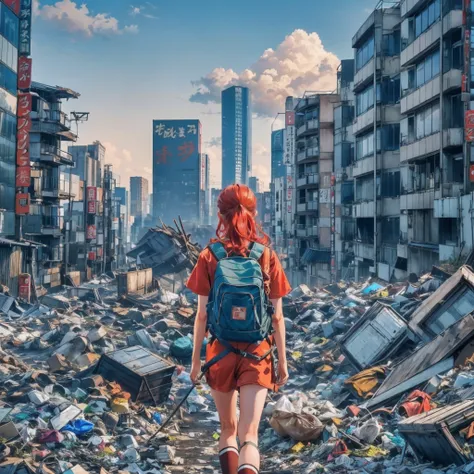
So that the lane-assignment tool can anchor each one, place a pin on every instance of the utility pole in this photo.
(77, 117)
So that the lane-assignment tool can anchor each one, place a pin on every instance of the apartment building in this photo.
(51, 180)
(433, 165)
(376, 130)
(343, 182)
(314, 118)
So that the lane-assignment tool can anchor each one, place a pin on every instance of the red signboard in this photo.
(24, 286)
(91, 193)
(91, 256)
(289, 118)
(99, 251)
(92, 207)
(25, 100)
(22, 205)
(471, 173)
(24, 72)
(23, 176)
(469, 125)
(14, 5)
(91, 232)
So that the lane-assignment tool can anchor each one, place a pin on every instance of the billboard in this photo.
(177, 170)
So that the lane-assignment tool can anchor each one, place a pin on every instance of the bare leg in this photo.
(226, 404)
(252, 401)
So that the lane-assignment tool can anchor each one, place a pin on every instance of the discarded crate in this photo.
(435, 435)
(145, 375)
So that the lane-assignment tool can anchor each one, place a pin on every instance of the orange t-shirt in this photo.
(202, 276)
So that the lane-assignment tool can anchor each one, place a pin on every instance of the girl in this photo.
(235, 374)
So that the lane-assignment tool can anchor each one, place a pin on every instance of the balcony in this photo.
(364, 209)
(418, 200)
(365, 166)
(304, 207)
(309, 180)
(452, 80)
(56, 188)
(365, 120)
(54, 155)
(43, 225)
(420, 96)
(365, 74)
(308, 154)
(308, 128)
(303, 230)
(446, 208)
(53, 123)
(421, 44)
(453, 137)
(364, 250)
(420, 148)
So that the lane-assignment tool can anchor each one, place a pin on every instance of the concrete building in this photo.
(236, 135)
(255, 185)
(277, 151)
(376, 130)
(434, 166)
(179, 169)
(313, 172)
(93, 166)
(213, 206)
(139, 196)
(342, 246)
(51, 182)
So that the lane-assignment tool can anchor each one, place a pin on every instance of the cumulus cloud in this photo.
(73, 18)
(121, 160)
(300, 63)
(261, 163)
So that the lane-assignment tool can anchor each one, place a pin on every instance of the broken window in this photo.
(455, 308)
(390, 227)
(365, 230)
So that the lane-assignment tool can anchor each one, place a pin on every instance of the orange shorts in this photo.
(235, 371)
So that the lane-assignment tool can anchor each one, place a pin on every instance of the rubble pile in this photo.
(381, 380)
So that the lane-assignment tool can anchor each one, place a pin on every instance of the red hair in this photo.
(237, 211)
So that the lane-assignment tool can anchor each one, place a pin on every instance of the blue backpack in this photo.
(239, 309)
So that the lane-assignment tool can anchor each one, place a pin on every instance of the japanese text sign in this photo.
(25, 28)
(92, 207)
(22, 205)
(23, 176)
(91, 232)
(91, 193)
(24, 72)
(469, 125)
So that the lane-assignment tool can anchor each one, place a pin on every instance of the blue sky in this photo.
(134, 62)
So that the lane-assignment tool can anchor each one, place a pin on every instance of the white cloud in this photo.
(73, 18)
(141, 11)
(260, 161)
(300, 63)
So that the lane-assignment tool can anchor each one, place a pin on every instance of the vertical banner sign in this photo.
(289, 156)
(469, 125)
(25, 28)
(333, 228)
(24, 73)
(22, 8)
(91, 232)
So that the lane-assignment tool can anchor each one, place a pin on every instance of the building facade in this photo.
(9, 38)
(376, 131)
(89, 161)
(139, 196)
(343, 183)
(236, 135)
(177, 171)
(255, 185)
(434, 163)
(51, 179)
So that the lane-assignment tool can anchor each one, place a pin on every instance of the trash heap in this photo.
(87, 378)
(381, 380)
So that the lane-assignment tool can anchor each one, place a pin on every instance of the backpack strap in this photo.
(218, 250)
(256, 250)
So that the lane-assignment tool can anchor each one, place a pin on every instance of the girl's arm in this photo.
(200, 324)
(280, 340)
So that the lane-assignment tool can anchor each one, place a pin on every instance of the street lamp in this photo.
(275, 119)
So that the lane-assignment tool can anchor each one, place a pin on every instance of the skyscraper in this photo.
(255, 185)
(179, 171)
(138, 196)
(278, 166)
(236, 135)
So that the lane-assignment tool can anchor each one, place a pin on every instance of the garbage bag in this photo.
(79, 427)
(288, 421)
(182, 348)
(368, 432)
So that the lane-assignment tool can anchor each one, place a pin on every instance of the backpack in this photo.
(239, 309)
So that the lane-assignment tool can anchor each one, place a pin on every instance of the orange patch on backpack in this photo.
(239, 313)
